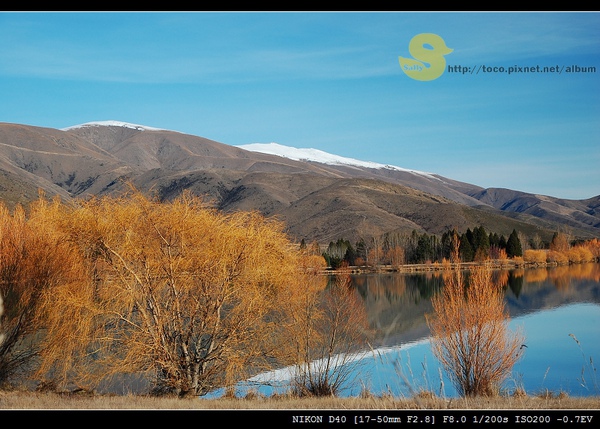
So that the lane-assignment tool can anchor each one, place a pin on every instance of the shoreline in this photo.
(18, 400)
(507, 264)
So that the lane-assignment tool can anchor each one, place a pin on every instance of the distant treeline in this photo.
(476, 244)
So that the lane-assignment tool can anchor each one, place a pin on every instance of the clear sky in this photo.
(330, 81)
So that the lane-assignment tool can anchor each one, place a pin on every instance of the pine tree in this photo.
(502, 242)
(469, 236)
(513, 245)
(361, 249)
(481, 243)
(466, 249)
(494, 239)
(424, 251)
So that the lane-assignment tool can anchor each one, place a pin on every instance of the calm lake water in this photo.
(557, 309)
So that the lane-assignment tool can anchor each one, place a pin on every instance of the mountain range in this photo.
(320, 196)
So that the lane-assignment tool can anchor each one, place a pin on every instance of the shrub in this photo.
(557, 257)
(470, 333)
(332, 330)
(189, 296)
(535, 256)
(580, 254)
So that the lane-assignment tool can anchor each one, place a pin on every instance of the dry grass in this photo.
(35, 400)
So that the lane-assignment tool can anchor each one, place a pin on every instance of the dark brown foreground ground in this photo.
(34, 400)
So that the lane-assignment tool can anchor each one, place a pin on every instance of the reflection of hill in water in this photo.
(542, 288)
(396, 303)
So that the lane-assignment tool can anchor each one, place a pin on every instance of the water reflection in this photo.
(396, 303)
(556, 360)
(557, 308)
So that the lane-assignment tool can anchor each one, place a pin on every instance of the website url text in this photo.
(519, 69)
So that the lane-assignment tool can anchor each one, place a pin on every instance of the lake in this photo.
(557, 309)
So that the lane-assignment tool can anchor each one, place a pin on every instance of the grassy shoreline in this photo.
(37, 400)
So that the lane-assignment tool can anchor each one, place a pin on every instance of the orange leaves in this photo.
(173, 289)
(535, 256)
(470, 333)
(32, 262)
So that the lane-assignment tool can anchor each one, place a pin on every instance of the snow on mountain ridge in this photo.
(316, 155)
(297, 154)
(114, 124)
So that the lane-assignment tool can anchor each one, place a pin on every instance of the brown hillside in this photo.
(317, 201)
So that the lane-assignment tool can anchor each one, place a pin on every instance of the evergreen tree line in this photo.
(417, 248)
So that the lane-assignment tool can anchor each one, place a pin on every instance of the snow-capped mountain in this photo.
(296, 154)
(114, 124)
(320, 196)
(316, 155)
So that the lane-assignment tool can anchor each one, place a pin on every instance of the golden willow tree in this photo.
(31, 261)
(470, 335)
(194, 298)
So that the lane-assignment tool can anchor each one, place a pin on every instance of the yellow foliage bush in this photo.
(471, 339)
(594, 247)
(190, 296)
(534, 256)
(584, 253)
(557, 257)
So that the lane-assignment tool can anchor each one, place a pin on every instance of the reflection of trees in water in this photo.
(536, 275)
(500, 278)
(417, 286)
(428, 284)
(560, 277)
(515, 281)
(396, 302)
(380, 286)
(393, 287)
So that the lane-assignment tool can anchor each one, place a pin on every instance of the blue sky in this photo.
(330, 81)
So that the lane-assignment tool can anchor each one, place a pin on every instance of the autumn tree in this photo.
(375, 252)
(594, 246)
(332, 330)
(30, 262)
(1, 312)
(190, 297)
(560, 242)
(395, 256)
(470, 336)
